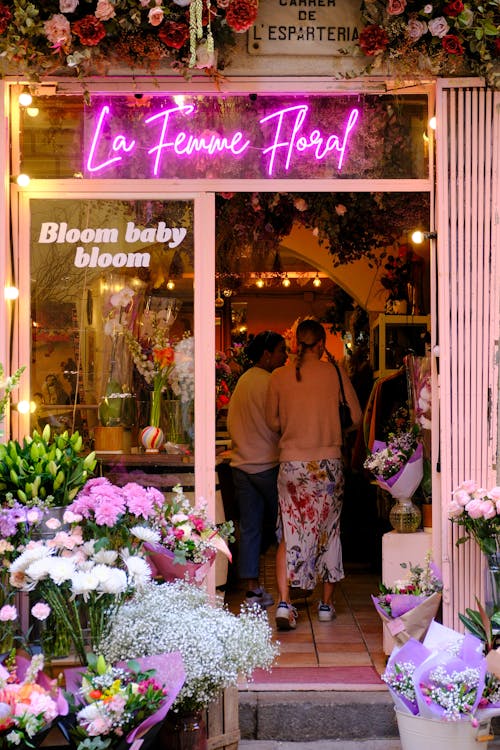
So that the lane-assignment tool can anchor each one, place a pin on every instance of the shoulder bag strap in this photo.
(344, 401)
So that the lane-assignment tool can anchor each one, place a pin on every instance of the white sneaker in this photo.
(286, 617)
(326, 612)
(259, 596)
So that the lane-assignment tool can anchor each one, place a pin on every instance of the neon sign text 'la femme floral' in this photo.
(288, 140)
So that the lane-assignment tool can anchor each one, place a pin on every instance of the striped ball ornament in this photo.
(152, 439)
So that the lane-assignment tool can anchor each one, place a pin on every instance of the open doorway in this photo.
(346, 259)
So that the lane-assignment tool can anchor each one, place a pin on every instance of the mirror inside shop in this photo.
(112, 303)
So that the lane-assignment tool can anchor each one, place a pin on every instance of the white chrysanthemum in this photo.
(216, 646)
(29, 556)
(111, 580)
(82, 584)
(60, 569)
(145, 534)
(105, 557)
(138, 570)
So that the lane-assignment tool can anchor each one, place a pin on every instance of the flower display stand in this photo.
(222, 721)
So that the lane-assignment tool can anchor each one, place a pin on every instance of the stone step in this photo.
(311, 716)
(323, 720)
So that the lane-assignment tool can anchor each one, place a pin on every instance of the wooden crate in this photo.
(222, 720)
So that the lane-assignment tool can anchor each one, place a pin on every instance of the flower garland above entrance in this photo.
(87, 37)
(441, 37)
(60, 36)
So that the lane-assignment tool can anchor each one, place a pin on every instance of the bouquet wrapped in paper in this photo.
(409, 606)
(445, 678)
(398, 465)
(29, 702)
(124, 703)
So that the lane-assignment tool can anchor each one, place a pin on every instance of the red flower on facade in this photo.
(89, 30)
(5, 17)
(496, 48)
(373, 39)
(452, 45)
(454, 8)
(174, 34)
(241, 15)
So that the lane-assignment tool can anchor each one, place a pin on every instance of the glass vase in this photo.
(171, 420)
(184, 731)
(405, 516)
(492, 584)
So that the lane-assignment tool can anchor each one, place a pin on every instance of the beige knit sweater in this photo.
(305, 413)
(254, 444)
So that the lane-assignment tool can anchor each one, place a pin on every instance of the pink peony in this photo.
(474, 509)
(461, 497)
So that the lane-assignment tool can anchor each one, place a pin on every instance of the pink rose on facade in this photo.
(40, 611)
(396, 7)
(340, 209)
(428, 9)
(104, 10)
(8, 613)
(416, 29)
(438, 27)
(155, 16)
(68, 6)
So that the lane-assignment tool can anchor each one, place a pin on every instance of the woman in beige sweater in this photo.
(303, 407)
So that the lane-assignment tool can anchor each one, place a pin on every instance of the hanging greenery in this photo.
(351, 226)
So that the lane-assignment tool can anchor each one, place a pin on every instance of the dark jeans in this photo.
(257, 497)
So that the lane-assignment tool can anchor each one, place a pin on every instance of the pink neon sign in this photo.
(284, 129)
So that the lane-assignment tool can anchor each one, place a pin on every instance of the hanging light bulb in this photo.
(259, 283)
(433, 123)
(317, 280)
(25, 98)
(23, 407)
(286, 281)
(23, 180)
(11, 292)
(170, 284)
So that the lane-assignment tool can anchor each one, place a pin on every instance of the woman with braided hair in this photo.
(303, 407)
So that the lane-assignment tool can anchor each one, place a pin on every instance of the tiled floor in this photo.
(353, 639)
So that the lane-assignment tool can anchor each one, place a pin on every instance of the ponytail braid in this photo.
(298, 361)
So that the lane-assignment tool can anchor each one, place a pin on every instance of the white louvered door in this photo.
(467, 327)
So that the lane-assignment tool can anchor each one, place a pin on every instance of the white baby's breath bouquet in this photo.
(216, 645)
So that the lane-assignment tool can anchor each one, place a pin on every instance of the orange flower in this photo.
(164, 357)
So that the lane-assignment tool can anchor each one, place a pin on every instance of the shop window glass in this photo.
(359, 136)
(111, 292)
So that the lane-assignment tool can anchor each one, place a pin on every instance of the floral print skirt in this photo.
(310, 497)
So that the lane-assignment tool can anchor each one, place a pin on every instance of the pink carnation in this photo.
(8, 613)
(40, 611)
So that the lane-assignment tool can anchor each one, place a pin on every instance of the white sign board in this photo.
(305, 27)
